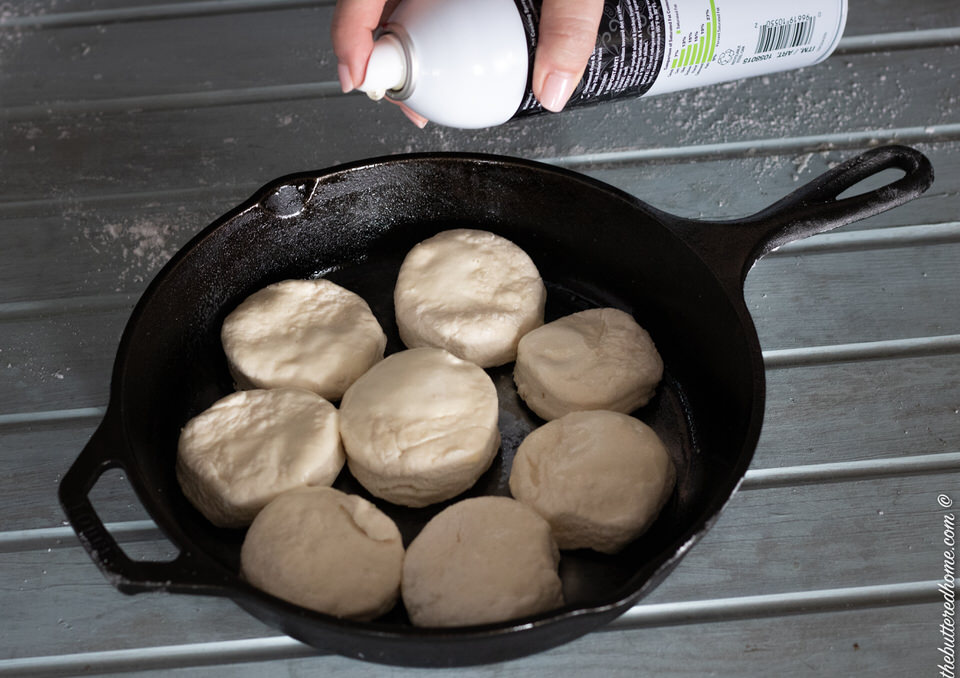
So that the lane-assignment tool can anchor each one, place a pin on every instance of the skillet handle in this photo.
(733, 247)
(183, 575)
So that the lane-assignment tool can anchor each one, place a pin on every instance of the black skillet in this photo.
(594, 245)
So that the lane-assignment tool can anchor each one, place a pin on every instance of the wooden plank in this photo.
(822, 299)
(67, 606)
(109, 249)
(35, 458)
(810, 299)
(727, 188)
(861, 411)
(142, 58)
(766, 542)
(59, 361)
(48, 14)
(881, 16)
(773, 540)
(41, 8)
(790, 646)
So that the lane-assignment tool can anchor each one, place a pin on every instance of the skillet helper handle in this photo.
(731, 248)
(814, 208)
(128, 575)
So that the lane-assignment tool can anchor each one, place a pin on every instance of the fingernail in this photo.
(346, 82)
(417, 120)
(557, 88)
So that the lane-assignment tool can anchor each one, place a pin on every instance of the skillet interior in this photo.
(593, 245)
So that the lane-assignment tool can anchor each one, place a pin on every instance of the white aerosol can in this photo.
(469, 63)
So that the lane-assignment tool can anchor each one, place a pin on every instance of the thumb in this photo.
(568, 34)
(354, 22)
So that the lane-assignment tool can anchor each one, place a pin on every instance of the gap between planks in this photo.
(41, 308)
(174, 101)
(762, 147)
(178, 10)
(273, 648)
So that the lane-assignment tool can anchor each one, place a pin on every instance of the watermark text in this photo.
(947, 588)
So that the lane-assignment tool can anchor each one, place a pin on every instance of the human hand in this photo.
(568, 32)
(354, 22)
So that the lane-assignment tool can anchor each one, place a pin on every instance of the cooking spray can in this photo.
(469, 63)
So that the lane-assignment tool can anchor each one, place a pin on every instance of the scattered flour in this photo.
(137, 249)
(801, 164)
(13, 34)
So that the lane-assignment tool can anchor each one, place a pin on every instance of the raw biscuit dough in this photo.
(325, 550)
(599, 359)
(420, 426)
(482, 560)
(250, 446)
(599, 478)
(310, 334)
(470, 292)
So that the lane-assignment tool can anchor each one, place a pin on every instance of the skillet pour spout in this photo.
(594, 246)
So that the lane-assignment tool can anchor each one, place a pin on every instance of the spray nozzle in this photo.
(386, 69)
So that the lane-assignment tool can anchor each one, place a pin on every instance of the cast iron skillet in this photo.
(594, 245)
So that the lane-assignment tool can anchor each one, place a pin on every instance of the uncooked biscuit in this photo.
(599, 359)
(310, 334)
(599, 478)
(327, 551)
(250, 446)
(470, 292)
(420, 426)
(482, 560)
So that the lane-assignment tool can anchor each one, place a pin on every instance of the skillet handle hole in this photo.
(873, 182)
(127, 521)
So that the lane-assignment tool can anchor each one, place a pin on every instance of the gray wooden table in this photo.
(126, 126)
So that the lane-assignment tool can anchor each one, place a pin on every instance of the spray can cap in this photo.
(387, 67)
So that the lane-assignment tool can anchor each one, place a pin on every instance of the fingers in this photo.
(354, 22)
(352, 31)
(568, 34)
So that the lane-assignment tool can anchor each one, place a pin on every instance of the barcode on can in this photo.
(785, 34)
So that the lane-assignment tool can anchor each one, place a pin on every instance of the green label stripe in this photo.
(702, 51)
(711, 42)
